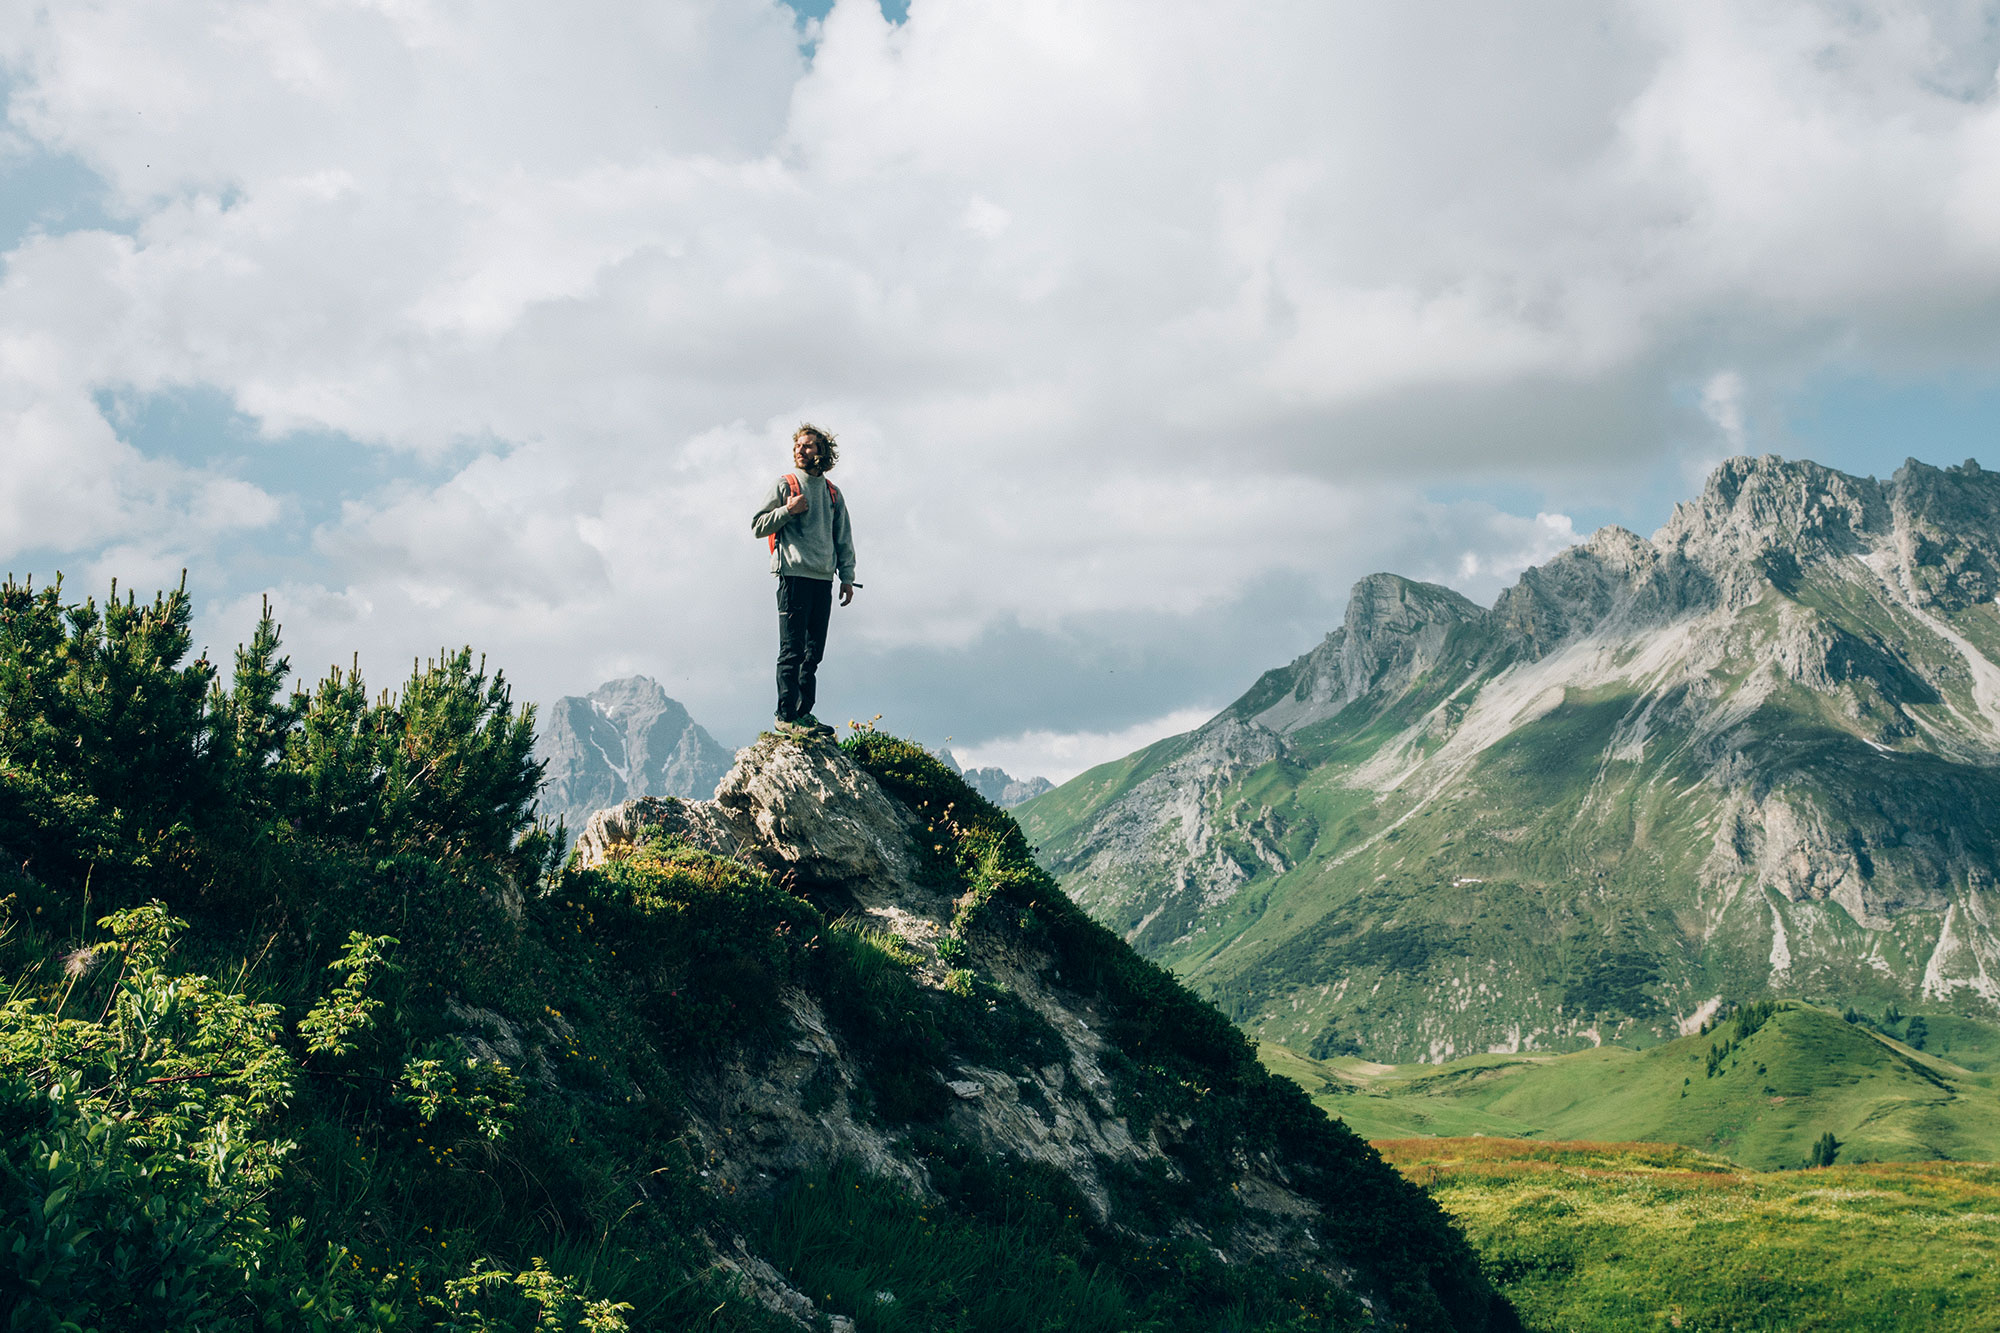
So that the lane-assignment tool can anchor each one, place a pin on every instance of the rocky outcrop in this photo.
(1059, 1098)
(801, 807)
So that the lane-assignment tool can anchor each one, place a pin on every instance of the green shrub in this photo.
(138, 1146)
(708, 944)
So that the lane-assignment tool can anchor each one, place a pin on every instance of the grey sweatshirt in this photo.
(818, 544)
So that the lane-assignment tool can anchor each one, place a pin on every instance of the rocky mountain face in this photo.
(625, 738)
(998, 1035)
(1757, 753)
(997, 784)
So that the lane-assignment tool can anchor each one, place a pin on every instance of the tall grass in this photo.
(1619, 1238)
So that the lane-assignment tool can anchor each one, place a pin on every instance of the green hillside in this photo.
(1069, 807)
(1638, 1238)
(1755, 755)
(1770, 1094)
(307, 1025)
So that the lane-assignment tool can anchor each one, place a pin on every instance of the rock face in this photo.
(1757, 752)
(624, 739)
(1066, 1097)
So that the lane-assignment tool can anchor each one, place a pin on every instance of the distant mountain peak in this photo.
(996, 784)
(627, 738)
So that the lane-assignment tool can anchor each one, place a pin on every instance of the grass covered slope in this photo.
(1760, 1088)
(303, 1028)
(1180, 1074)
(1637, 1237)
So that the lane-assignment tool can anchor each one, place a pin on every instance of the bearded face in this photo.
(808, 451)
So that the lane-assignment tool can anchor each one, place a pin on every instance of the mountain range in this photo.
(997, 784)
(1756, 754)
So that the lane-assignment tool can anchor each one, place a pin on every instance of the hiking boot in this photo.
(816, 727)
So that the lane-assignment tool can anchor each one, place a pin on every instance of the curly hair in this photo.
(829, 448)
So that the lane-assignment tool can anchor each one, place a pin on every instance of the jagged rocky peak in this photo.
(625, 738)
(1947, 524)
(1751, 506)
(1760, 520)
(1616, 576)
(1394, 628)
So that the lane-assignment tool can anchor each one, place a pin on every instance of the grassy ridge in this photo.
(1184, 1074)
(1769, 1097)
(1610, 1237)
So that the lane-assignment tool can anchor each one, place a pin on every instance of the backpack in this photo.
(792, 484)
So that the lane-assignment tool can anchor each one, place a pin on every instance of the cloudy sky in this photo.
(1146, 327)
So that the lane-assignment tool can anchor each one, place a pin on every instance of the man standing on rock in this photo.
(804, 518)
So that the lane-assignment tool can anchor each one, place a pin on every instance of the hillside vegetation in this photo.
(1758, 1088)
(1640, 1237)
(305, 1027)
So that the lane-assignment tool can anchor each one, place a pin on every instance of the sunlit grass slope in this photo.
(1768, 1096)
(1611, 1237)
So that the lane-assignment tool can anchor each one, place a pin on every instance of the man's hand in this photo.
(797, 504)
(847, 592)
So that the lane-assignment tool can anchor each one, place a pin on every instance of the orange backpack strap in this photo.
(792, 485)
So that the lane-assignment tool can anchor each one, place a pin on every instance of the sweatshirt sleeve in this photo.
(771, 515)
(843, 541)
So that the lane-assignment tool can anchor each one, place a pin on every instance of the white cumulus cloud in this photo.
(1128, 314)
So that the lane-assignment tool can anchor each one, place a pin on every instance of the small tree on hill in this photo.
(1825, 1150)
(1917, 1033)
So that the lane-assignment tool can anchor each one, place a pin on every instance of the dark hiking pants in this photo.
(803, 608)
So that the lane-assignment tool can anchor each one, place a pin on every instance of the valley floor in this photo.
(1609, 1237)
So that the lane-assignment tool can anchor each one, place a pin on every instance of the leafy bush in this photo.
(138, 1147)
(710, 943)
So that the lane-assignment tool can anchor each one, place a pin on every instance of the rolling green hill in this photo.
(1763, 1102)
